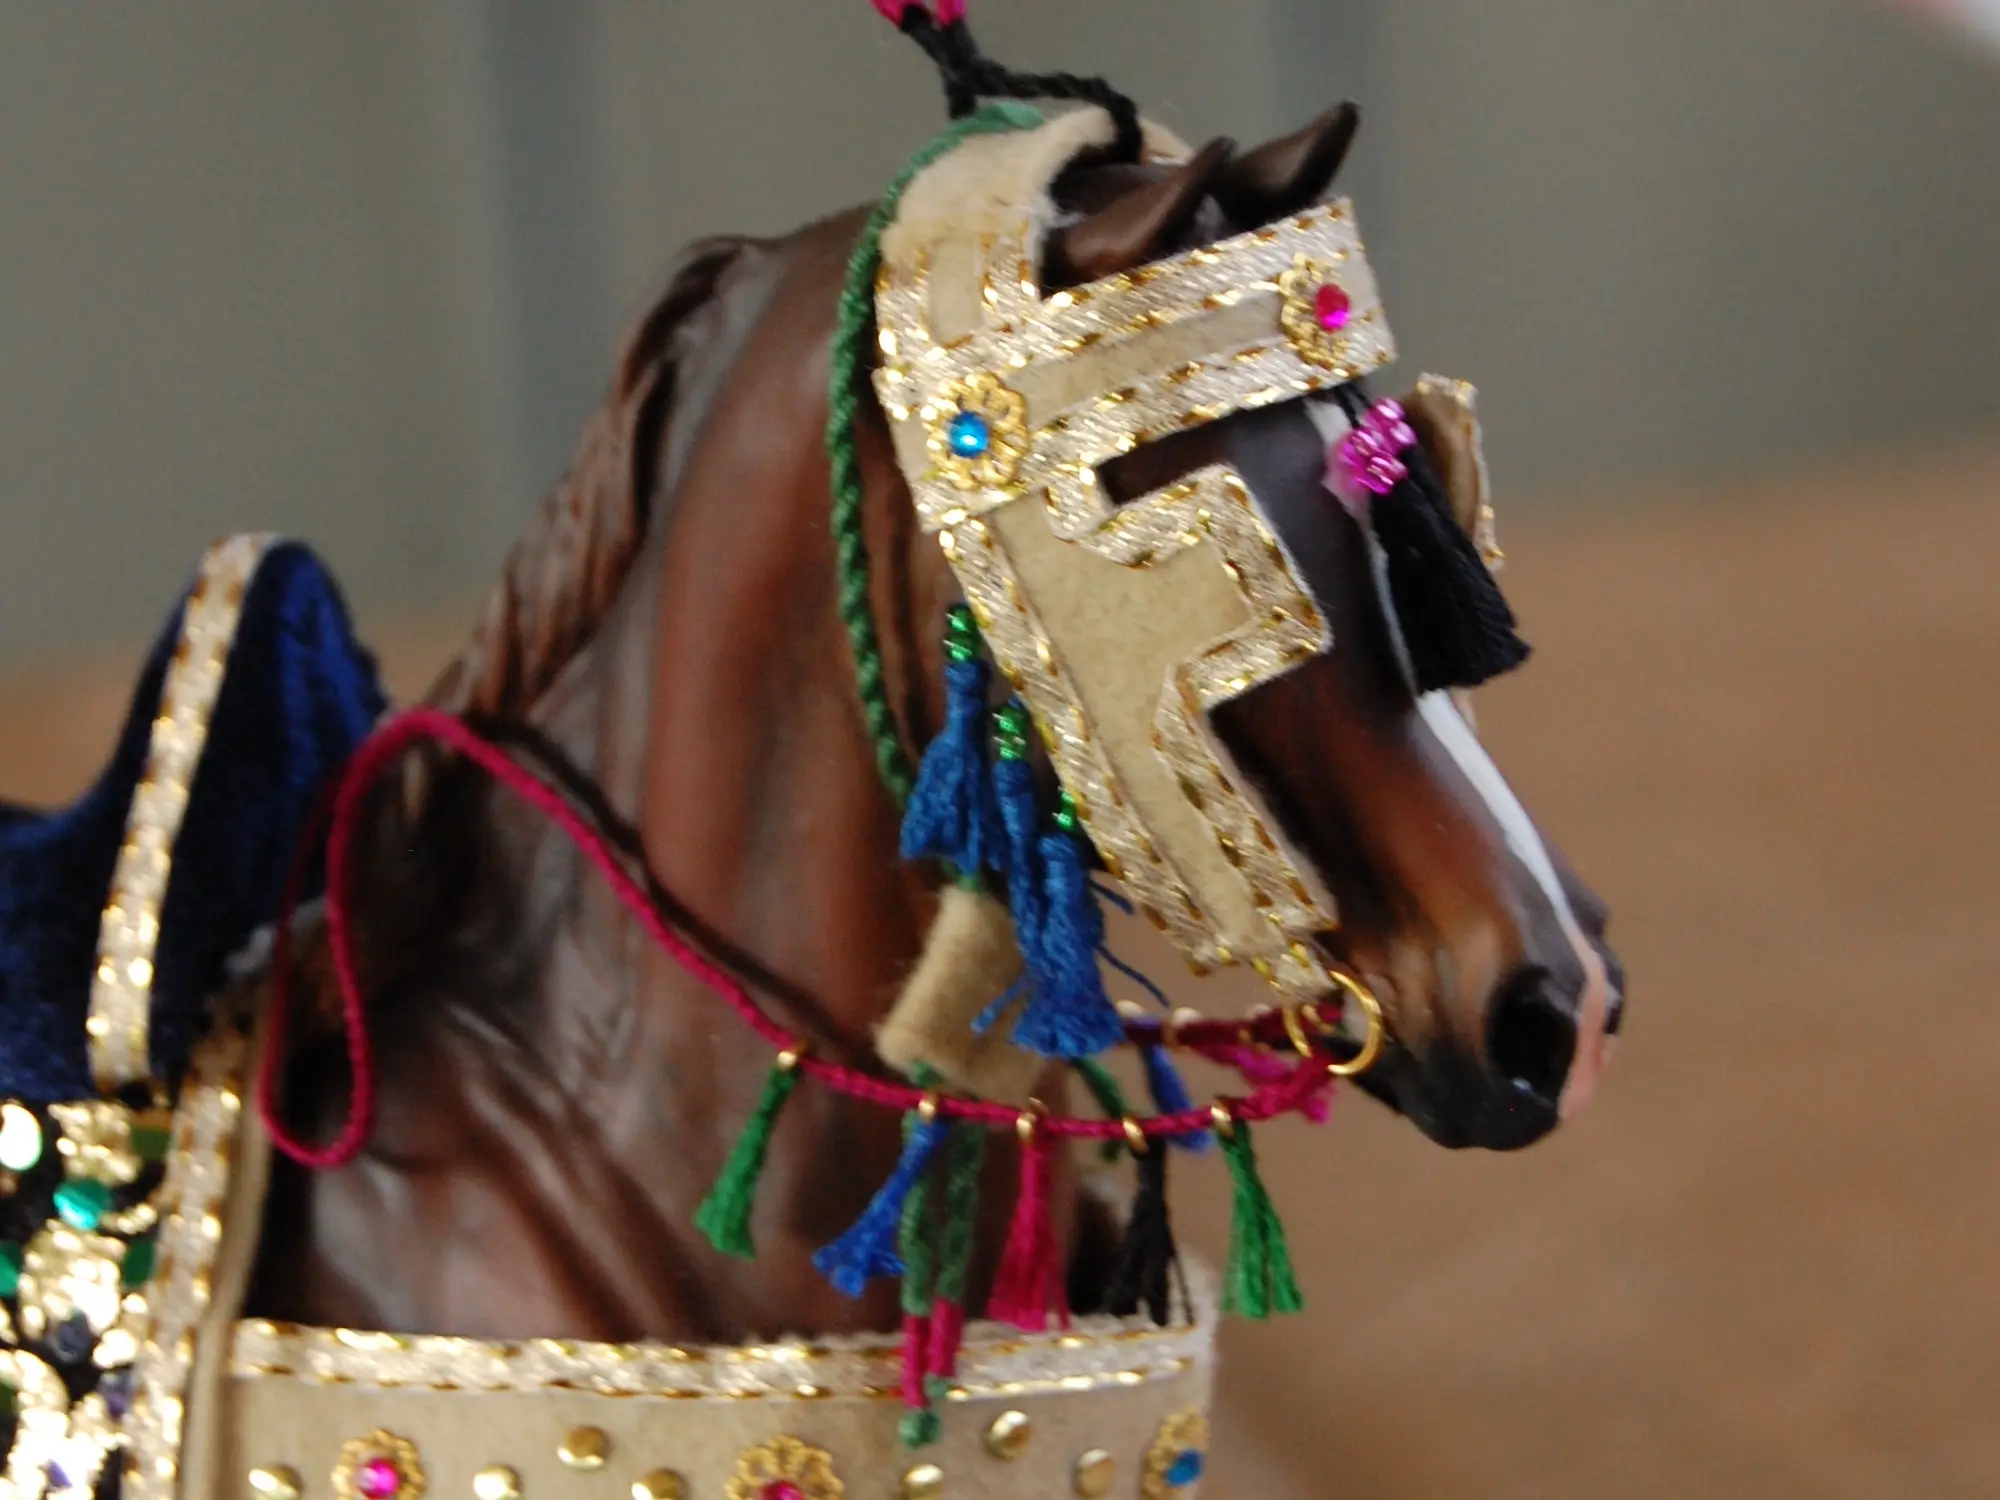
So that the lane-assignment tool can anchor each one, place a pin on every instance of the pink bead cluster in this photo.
(1370, 457)
(947, 11)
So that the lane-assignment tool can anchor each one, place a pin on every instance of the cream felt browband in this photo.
(1123, 627)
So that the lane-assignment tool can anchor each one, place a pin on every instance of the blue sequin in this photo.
(969, 435)
(1185, 1469)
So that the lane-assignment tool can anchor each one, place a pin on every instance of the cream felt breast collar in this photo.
(1124, 626)
(228, 1407)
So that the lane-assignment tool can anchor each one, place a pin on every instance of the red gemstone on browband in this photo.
(1332, 307)
(781, 1489)
(379, 1479)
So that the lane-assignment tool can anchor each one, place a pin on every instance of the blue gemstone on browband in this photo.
(968, 434)
(1185, 1469)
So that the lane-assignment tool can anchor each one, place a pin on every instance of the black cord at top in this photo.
(969, 76)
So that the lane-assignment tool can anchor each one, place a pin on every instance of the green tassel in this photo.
(1259, 1280)
(961, 1211)
(917, 1249)
(724, 1215)
(1110, 1099)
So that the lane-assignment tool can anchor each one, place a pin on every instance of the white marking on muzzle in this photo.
(1593, 1005)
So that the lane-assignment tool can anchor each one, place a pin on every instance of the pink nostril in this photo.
(1531, 1036)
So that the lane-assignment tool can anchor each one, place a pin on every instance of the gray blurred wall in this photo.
(356, 272)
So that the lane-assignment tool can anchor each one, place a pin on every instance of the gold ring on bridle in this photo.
(1371, 1009)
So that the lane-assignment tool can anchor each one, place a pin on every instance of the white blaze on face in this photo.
(1593, 1005)
(1445, 721)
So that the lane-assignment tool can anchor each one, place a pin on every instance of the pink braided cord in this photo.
(1284, 1095)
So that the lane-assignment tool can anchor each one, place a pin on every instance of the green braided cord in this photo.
(915, 1246)
(961, 1210)
(1110, 1098)
(1259, 1280)
(845, 389)
(724, 1215)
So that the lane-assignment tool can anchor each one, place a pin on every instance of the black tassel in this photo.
(1455, 623)
(1143, 1273)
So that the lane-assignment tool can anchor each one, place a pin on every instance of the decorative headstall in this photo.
(1124, 626)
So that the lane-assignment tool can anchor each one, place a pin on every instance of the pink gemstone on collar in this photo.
(378, 1479)
(781, 1489)
(1332, 307)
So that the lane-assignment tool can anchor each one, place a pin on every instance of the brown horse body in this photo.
(556, 1096)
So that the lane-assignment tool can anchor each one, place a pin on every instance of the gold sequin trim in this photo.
(172, 1306)
(787, 1460)
(1114, 1356)
(129, 931)
(1184, 1432)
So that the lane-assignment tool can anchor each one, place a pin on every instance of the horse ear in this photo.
(1281, 177)
(1137, 226)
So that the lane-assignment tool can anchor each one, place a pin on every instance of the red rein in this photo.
(1296, 1090)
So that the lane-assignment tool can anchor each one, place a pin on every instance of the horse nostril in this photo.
(1530, 1038)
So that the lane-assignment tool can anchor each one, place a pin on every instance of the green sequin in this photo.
(140, 1258)
(1066, 813)
(10, 1268)
(151, 1141)
(1010, 732)
(82, 1203)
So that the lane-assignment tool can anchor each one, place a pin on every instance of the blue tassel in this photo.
(868, 1249)
(1170, 1095)
(952, 813)
(1069, 1015)
(1056, 917)
(1020, 820)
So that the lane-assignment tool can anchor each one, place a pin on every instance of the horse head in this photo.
(1427, 876)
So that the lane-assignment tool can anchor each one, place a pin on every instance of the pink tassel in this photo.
(916, 1345)
(1029, 1279)
(947, 1333)
(1261, 1069)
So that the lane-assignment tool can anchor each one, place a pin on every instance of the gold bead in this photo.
(1094, 1474)
(659, 1484)
(497, 1482)
(1008, 1437)
(924, 1482)
(275, 1482)
(585, 1449)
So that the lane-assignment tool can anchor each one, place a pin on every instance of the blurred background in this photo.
(1728, 275)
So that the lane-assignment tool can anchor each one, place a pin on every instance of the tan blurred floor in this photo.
(1764, 1265)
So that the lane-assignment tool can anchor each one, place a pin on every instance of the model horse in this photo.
(555, 1098)
(1073, 403)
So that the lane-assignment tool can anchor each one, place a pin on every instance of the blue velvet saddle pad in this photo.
(298, 695)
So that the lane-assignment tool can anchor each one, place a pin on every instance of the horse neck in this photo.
(557, 1095)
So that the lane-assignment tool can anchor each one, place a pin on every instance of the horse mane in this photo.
(567, 568)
